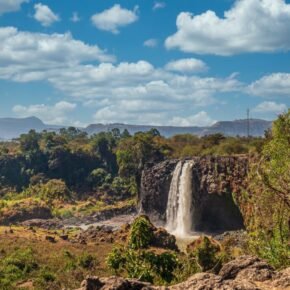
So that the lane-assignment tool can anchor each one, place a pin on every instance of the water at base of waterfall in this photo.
(179, 206)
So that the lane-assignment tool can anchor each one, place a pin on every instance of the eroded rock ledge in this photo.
(216, 181)
(244, 273)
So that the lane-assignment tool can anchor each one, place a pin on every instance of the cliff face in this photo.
(216, 180)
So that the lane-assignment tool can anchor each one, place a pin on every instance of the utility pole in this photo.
(248, 123)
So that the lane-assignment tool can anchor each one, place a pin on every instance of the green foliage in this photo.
(115, 260)
(46, 276)
(81, 161)
(266, 207)
(186, 145)
(97, 177)
(133, 153)
(272, 245)
(54, 189)
(104, 143)
(29, 142)
(207, 254)
(141, 233)
(144, 265)
(165, 265)
(139, 265)
(186, 268)
(275, 167)
(87, 261)
(16, 266)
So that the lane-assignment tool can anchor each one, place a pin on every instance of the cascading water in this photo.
(179, 206)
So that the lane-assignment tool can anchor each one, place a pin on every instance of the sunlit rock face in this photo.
(245, 272)
(195, 194)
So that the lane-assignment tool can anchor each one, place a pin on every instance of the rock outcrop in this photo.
(244, 273)
(216, 182)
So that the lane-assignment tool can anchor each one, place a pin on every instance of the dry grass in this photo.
(61, 258)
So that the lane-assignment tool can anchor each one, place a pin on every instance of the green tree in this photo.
(266, 207)
(29, 142)
(103, 144)
(141, 233)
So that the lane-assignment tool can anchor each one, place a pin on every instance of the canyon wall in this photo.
(215, 181)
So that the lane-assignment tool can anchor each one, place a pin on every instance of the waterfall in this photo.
(179, 205)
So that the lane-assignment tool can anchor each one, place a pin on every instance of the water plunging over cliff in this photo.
(179, 206)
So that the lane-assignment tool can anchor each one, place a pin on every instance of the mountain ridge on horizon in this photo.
(13, 127)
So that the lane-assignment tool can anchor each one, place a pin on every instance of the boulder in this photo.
(162, 239)
(243, 273)
(247, 267)
(113, 283)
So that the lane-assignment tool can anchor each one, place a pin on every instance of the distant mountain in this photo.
(228, 128)
(239, 127)
(12, 127)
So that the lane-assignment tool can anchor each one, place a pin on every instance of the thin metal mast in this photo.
(248, 123)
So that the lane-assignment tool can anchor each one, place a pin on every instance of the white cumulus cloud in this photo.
(201, 119)
(54, 114)
(122, 92)
(151, 42)
(26, 56)
(11, 5)
(249, 26)
(273, 85)
(45, 15)
(270, 107)
(114, 18)
(159, 5)
(187, 65)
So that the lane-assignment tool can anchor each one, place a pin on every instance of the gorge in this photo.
(197, 194)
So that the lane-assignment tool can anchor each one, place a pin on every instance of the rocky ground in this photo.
(114, 218)
(243, 273)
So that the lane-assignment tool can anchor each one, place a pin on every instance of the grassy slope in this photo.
(61, 259)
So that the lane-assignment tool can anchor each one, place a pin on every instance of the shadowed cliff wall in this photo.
(216, 180)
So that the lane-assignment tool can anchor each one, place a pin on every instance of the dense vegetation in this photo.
(267, 200)
(71, 173)
(108, 161)
(76, 174)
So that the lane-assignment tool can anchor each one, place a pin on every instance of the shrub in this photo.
(144, 265)
(55, 189)
(87, 261)
(46, 276)
(141, 233)
(165, 265)
(97, 177)
(207, 253)
(115, 260)
(46, 280)
(17, 266)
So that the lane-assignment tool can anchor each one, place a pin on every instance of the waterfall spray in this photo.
(179, 206)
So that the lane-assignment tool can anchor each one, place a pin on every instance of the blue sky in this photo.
(178, 63)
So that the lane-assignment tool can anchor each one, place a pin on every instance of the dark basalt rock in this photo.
(216, 183)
